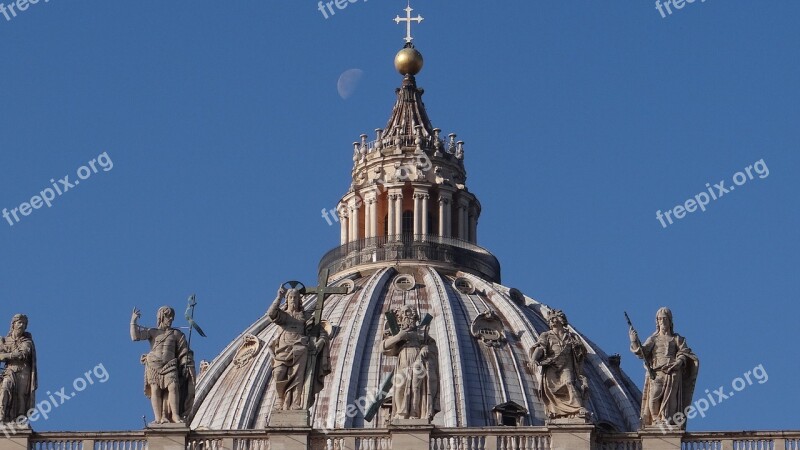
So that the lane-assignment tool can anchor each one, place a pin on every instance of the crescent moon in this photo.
(348, 82)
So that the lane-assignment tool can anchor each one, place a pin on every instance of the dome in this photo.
(483, 332)
(409, 237)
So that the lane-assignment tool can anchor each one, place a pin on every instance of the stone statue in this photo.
(292, 348)
(416, 380)
(560, 353)
(169, 368)
(18, 378)
(669, 390)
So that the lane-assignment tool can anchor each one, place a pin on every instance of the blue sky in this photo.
(227, 136)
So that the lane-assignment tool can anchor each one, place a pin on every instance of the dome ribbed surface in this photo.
(474, 377)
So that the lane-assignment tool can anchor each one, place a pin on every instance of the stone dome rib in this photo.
(450, 361)
(511, 314)
(210, 381)
(372, 362)
(330, 409)
(481, 373)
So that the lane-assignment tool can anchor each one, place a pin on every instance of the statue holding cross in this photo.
(301, 355)
(415, 382)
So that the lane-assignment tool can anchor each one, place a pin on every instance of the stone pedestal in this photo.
(170, 436)
(290, 419)
(289, 430)
(407, 423)
(568, 421)
(571, 436)
(411, 434)
(13, 437)
(656, 439)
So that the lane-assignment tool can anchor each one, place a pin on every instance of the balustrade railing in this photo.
(620, 441)
(488, 438)
(405, 141)
(88, 441)
(743, 440)
(408, 247)
(510, 438)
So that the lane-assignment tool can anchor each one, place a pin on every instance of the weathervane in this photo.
(408, 19)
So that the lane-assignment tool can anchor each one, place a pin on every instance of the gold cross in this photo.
(408, 19)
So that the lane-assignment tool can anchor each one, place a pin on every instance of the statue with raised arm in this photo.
(416, 379)
(18, 378)
(669, 392)
(169, 367)
(560, 353)
(291, 350)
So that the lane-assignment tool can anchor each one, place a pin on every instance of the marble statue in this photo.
(169, 367)
(560, 353)
(673, 368)
(18, 378)
(416, 380)
(292, 348)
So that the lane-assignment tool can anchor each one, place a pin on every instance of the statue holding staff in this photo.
(169, 367)
(669, 392)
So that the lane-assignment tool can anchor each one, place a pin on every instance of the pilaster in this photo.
(13, 437)
(371, 213)
(445, 211)
(167, 436)
(571, 436)
(344, 223)
(463, 226)
(420, 211)
(411, 434)
(656, 439)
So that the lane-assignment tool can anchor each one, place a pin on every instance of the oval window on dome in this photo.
(405, 282)
(464, 286)
(349, 285)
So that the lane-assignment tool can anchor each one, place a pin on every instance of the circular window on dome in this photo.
(464, 286)
(516, 296)
(349, 285)
(405, 282)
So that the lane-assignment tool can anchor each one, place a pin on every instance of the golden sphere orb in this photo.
(408, 61)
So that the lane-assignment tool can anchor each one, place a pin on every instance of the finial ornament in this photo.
(408, 61)
(408, 19)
